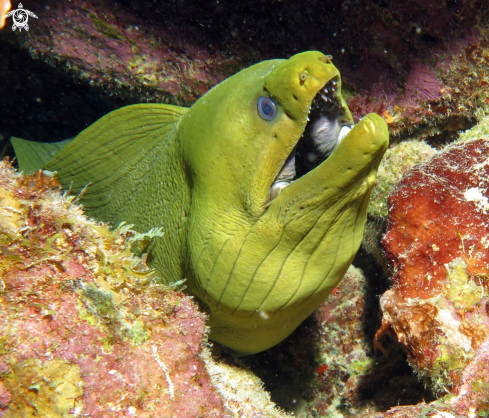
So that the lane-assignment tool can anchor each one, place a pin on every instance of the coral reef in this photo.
(397, 161)
(436, 243)
(344, 353)
(437, 97)
(470, 399)
(88, 329)
(425, 68)
(78, 333)
(350, 377)
(422, 67)
(125, 52)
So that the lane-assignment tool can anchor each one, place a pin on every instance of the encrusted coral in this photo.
(439, 93)
(343, 351)
(350, 377)
(397, 161)
(48, 388)
(85, 327)
(437, 244)
(439, 213)
(470, 398)
(125, 52)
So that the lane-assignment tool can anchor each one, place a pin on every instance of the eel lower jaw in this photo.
(328, 124)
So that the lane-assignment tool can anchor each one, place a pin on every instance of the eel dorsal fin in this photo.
(116, 155)
(130, 160)
(33, 156)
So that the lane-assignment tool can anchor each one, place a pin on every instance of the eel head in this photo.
(280, 179)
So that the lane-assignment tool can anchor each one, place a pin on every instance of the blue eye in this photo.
(267, 108)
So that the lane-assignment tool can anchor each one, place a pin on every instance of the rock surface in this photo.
(108, 44)
(437, 244)
(88, 330)
(78, 334)
(422, 67)
(469, 400)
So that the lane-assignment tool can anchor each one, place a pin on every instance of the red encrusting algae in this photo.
(437, 245)
(438, 213)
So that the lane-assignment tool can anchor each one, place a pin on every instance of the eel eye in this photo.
(267, 108)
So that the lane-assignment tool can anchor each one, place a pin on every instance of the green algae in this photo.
(107, 30)
(480, 130)
(98, 302)
(462, 291)
(397, 161)
(98, 309)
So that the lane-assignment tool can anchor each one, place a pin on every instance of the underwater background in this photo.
(406, 332)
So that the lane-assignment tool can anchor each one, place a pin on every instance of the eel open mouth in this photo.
(328, 123)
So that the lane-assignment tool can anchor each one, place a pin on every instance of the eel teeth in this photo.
(284, 178)
(328, 94)
(343, 131)
(277, 188)
(327, 135)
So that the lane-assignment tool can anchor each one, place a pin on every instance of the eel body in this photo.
(261, 188)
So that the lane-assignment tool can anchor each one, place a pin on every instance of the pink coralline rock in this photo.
(421, 66)
(473, 393)
(437, 245)
(86, 327)
(350, 378)
(437, 92)
(343, 348)
(108, 45)
(409, 105)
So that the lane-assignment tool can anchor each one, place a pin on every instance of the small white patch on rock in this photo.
(450, 327)
(474, 194)
(442, 414)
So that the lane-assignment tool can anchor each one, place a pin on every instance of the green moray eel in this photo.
(261, 188)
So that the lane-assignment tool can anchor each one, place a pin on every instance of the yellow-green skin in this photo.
(204, 174)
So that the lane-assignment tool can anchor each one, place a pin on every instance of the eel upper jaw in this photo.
(328, 123)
